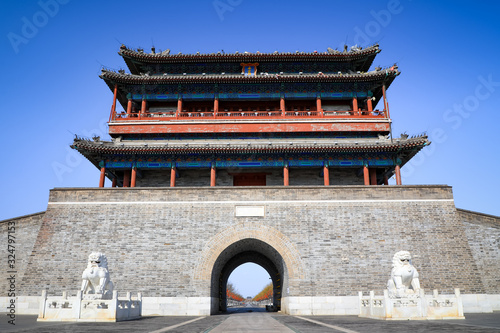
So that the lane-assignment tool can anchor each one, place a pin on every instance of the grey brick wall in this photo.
(483, 233)
(26, 231)
(345, 236)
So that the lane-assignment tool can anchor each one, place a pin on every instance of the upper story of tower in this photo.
(273, 93)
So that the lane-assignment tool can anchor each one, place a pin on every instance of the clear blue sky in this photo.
(447, 52)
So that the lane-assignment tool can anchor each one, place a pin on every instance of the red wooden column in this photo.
(113, 107)
(129, 107)
(179, 108)
(113, 184)
(282, 106)
(386, 180)
(366, 175)
(212, 175)
(216, 106)
(326, 174)
(386, 103)
(172, 176)
(373, 176)
(318, 106)
(397, 170)
(126, 178)
(355, 105)
(286, 180)
(103, 174)
(134, 176)
(143, 107)
(369, 105)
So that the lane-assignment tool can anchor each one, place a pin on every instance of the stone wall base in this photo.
(480, 303)
(200, 306)
(176, 306)
(320, 305)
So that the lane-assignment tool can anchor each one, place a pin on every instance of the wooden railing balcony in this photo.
(255, 114)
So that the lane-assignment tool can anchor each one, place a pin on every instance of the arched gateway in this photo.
(242, 243)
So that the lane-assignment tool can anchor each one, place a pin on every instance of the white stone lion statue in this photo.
(404, 277)
(95, 278)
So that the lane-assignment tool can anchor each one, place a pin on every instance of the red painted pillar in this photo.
(143, 106)
(397, 170)
(112, 115)
(318, 106)
(369, 105)
(326, 175)
(172, 176)
(126, 178)
(366, 175)
(355, 105)
(113, 184)
(179, 108)
(386, 180)
(129, 107)
(216, 106)
(386, 103)
(134, 176)
(282, 106)
(212, 176)
(373, 176)
(286, 180)
(103, 176)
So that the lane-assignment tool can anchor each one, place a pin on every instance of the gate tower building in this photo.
(250, 119)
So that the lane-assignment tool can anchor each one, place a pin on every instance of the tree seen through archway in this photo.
(247, 281)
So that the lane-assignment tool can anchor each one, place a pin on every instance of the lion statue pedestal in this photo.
(404, 299)
(95, 302)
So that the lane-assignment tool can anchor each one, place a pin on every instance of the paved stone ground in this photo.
(353, 324)
(255, 320)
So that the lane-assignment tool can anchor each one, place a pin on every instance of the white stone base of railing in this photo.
(413, 307)
(90, 309)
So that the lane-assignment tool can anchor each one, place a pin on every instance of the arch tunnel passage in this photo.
(241, 252)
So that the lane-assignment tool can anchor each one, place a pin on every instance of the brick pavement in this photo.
(257, 321)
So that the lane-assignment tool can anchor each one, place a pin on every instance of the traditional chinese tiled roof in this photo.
(364, 57)
(387, 74)
(157, 147)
